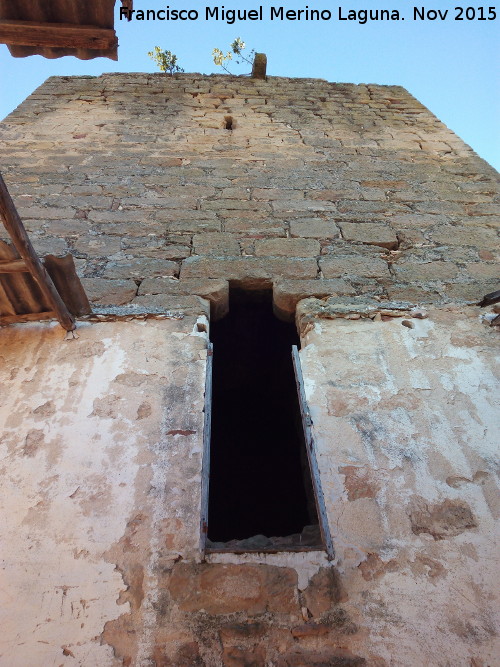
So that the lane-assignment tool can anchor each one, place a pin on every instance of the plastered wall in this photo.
(407, 429)
(101, 453)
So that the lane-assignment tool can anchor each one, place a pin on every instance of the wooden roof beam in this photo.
(13, 266)
(22, 244)
(65, 35)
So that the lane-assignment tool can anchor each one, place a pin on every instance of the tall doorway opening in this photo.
(261, 495)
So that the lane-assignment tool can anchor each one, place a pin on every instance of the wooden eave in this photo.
(34, 289)
(81, 28)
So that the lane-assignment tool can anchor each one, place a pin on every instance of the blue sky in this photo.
(451, 66)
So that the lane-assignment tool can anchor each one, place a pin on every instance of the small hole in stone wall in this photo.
(261, 495)
(228, 123)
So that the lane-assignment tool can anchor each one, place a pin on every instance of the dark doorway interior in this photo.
(259, 476)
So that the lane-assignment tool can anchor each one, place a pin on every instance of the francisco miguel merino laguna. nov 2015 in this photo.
(362, 16)
(230, 16)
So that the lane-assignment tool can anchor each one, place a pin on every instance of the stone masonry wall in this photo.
(319, 188)
(353, 195)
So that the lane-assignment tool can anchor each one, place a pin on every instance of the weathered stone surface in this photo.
(98, 245)
(472, 236)
(165, 303)
(287, 247)
(324, 591)
(310, 630)
(140, 269)
(482, 271)
(248, 269)
(334, 266)
(213, 243)
(305, 158)
(315, 228)
(234, 656)
(223, 589)
(441, 520)
(109, 292)
(370, 233)
(234, 632)
(216, 290)
(470, 291)
(286, 293)
(327, 658)
(49, 245)
(412, 272)
(359, 483)
(374, 567)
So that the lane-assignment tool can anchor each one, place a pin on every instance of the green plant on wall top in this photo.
(236, 49)
(166, 60)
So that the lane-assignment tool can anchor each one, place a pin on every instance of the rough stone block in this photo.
(225, 589)
(370, 233)
(470, 291)
(364, 265)
(287, 247)
(98, 245)
(46, 212)
(483, 271)
(249, 270)
(315, 228)
(237, 632)
(48, 245)
(331, 657)
(218, 244)
(215, 290)
(324, 591)
(109, 292)
(140, 268)
(410, 271)
(411, 293)
(234, 656)
(446, 519)
(267, 194)
(159, 303)
(287, 293)
(474, 236)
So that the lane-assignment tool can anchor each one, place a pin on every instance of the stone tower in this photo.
(374, 229)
